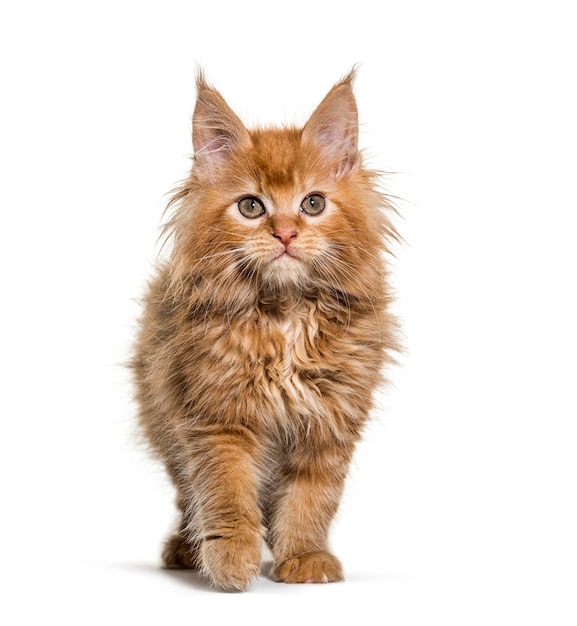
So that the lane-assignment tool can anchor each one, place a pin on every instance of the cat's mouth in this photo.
(286, 266)
(286, 256)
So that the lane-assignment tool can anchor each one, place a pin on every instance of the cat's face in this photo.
(284, 207)
(282, 236)
(284, 223)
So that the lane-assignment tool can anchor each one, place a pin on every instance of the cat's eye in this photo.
(313, 204)
(251, 207)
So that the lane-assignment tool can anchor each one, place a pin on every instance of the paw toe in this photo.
(313, 567)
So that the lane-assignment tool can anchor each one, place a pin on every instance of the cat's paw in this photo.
(231, 562)
(179, 554)
(313, 567)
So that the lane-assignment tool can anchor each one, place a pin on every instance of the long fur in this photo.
(255, 374)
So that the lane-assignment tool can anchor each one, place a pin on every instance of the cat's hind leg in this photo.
(178, 553)
(182, 549)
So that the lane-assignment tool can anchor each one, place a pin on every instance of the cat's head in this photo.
(281, 208)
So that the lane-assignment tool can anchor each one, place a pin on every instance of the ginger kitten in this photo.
(263, 338)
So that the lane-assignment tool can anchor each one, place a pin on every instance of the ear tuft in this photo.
(334, 126)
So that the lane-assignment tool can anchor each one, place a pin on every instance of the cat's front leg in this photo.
(227, 517)
(305, 504)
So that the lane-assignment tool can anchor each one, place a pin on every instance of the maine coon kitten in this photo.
(263, 338)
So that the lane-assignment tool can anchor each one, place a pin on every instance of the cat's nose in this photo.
(285, 235)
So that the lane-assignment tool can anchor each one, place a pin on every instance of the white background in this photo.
(461, 507)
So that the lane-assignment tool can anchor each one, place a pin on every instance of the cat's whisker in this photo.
(236, 235)
(354, 276)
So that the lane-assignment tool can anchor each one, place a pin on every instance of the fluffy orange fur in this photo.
(264, 336)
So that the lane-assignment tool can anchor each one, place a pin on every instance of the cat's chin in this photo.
(286, 269)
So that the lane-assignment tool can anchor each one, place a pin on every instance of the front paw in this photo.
(231, 562)
(313, 567)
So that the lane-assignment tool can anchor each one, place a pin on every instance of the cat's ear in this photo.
(334, 127)
(216, 130)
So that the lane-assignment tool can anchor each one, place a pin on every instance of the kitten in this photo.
(263, 338)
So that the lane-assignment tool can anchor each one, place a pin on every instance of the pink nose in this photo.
(285, 235)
